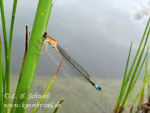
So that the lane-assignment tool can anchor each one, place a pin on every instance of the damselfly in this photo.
(78, 67)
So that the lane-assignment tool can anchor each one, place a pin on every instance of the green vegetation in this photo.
(49, 87)
(77, 98)
(30, 60)
(130, 78)
(1, 78)
(30, 64)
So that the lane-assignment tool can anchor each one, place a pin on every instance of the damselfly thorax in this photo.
(50, 41)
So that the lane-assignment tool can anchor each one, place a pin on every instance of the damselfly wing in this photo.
(75, 65)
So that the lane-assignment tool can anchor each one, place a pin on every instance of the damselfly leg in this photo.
(74, 64)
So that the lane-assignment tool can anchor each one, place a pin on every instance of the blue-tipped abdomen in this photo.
(97, 87)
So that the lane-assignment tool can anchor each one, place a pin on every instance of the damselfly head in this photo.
(50, 40)
(45, 35)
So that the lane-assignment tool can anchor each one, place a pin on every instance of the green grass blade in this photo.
(141, 100)
(125, 73)
(146, 67)
(1, 79)
(59, 104)
(49, 86)
(136, 56)
(132, 66)
(135, 81)
(45, 93)
(7, 75)
(135, 71)
(146, 73)
(125, 84)
(4, 27)
(127, 64)
(139, 93)
(5, 41)
(30, 65)
(12, 26)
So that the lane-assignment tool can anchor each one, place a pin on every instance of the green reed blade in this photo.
(31, 61)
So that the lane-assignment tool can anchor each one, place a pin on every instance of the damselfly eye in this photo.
(45, 35)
